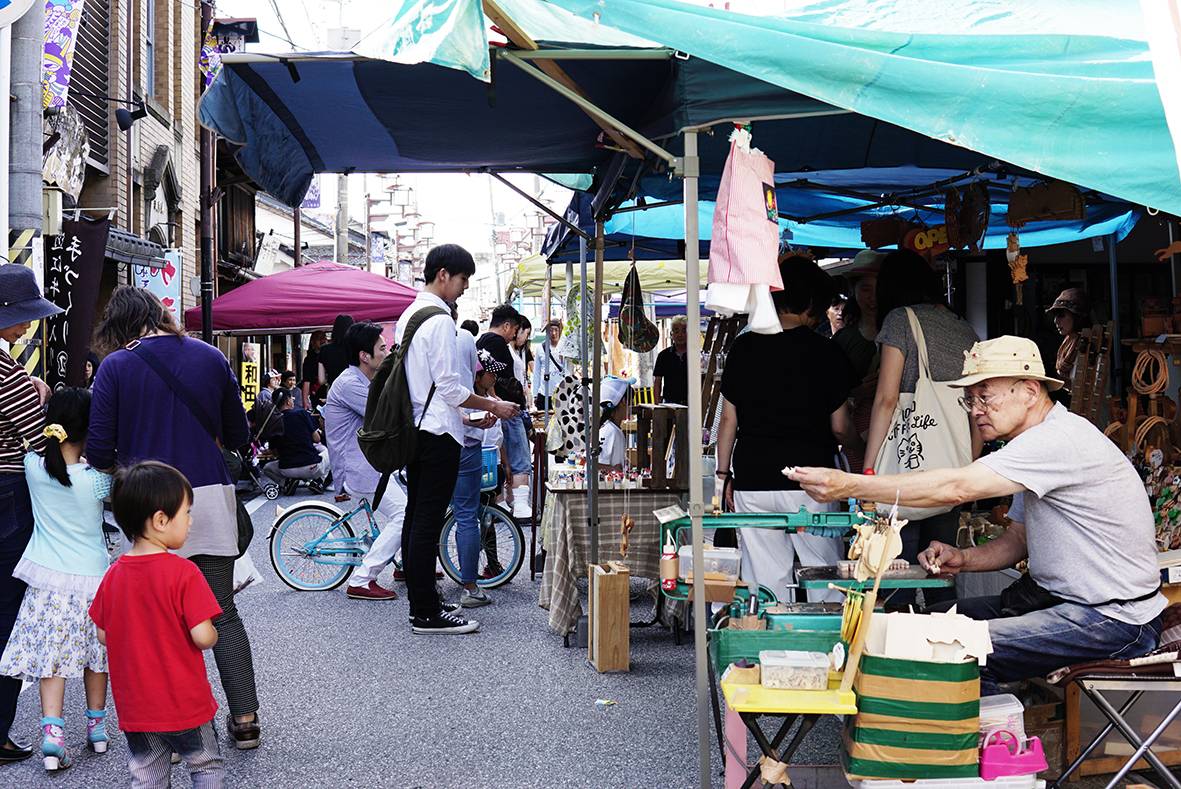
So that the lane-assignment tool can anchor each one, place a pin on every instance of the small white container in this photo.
(1003, 711)
(720, 563)
(789, 670)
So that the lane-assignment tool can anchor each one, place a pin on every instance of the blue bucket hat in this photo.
(20, 298)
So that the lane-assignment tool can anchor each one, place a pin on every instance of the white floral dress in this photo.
(54, 635)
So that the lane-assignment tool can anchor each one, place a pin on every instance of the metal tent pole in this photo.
(547, 315)
(1117, 378)
(583, 352)
(689, 172)
(592, 451)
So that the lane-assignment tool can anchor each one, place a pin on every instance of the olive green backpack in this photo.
(388, 436)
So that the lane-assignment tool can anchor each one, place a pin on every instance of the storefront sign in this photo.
(73, 268)
(164, 282)
(248, 375)
(61, 33)
(929, 242)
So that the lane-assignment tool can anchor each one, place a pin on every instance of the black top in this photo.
(674, 373)
(859, 351)
(311, 369)
(785, 388)
(507, 386)
(295, 448)
(335, 360)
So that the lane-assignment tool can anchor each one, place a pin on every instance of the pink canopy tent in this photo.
(304, 298)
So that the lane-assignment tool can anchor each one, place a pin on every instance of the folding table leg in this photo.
(770, 748)
(1114, 716)
(1082, 757)
(1143, 751)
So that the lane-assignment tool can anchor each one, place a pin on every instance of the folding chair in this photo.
(1159, 672)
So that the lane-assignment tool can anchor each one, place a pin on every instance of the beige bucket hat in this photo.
(1004, 357)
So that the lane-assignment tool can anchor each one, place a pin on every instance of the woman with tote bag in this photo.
(917, 423)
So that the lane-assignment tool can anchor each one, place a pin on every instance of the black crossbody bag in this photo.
(1025, 595)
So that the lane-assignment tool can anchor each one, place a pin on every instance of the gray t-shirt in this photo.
(1088, 522)
(947, 336)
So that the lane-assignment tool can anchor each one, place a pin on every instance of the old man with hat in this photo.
(1080, 515)
(22, 426)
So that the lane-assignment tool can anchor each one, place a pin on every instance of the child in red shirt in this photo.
(154, 612)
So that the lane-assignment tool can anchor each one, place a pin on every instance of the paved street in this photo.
(351, 698)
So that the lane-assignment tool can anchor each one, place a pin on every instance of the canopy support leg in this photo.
(592, 446)
(1117, 377)
(690, 173)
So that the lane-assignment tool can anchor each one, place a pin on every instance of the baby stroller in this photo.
(266, 424)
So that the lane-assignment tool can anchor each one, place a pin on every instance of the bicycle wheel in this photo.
(311, 550)
(502, 548)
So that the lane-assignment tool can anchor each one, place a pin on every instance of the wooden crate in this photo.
(609, 614)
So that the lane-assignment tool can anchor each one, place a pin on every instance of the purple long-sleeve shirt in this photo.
(344, 411)
(135, 416)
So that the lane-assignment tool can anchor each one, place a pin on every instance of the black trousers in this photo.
(235, 664)
(430, 480)
(16, 528)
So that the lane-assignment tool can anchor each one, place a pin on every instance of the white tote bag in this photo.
(929, 429)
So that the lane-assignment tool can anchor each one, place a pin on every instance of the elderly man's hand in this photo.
(942, 559)
(821, 484)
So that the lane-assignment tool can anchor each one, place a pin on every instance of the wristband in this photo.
(723, 474)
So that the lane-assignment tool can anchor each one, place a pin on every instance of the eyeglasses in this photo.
(984, 402)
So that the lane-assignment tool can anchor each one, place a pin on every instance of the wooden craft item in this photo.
(878, 233)
(951, 217)
(972, 219)
(626, 524)
(888, 533)
(656, 428)
(719, 336)
(1049, 201)
(609, 615)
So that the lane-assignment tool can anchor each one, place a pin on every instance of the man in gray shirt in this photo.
(1080, 515)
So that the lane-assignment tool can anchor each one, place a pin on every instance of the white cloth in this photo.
(431, 359)
(612, 445)
(728, 300)
(315, 471)
(768, 554)
(385, 547)
(494, 436)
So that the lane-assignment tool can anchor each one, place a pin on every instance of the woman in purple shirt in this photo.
(162, 396)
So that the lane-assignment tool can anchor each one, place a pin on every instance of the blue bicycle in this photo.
(315, 545)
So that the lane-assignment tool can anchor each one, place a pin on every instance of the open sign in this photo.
(928, 242)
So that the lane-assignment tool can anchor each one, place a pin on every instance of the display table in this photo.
(914, 578)
(566, 539)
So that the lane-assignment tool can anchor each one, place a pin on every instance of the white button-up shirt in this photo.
(431, 360)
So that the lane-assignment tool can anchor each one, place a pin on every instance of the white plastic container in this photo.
(790, 670)
(1003, 711)
(721, 564)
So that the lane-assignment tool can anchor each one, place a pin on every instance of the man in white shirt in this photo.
(548, 368)
(437, 394)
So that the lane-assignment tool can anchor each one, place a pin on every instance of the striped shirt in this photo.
(22, 419)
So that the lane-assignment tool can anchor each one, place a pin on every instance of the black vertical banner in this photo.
(73, 268)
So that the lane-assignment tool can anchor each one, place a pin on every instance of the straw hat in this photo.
(1005, 357)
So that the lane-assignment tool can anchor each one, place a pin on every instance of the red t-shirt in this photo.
(147, 605)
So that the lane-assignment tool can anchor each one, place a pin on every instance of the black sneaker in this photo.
(447, 607)
(443, 623)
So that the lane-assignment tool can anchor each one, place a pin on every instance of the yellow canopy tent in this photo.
(655, 275)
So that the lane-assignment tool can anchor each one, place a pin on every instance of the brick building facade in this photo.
(154, 45)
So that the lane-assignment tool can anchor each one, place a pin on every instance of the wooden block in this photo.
(681, 455)
(610, 617)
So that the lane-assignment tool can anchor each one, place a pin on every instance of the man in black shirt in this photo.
(309, 380)
(670, 376)
(301, 456)
(502, 329)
